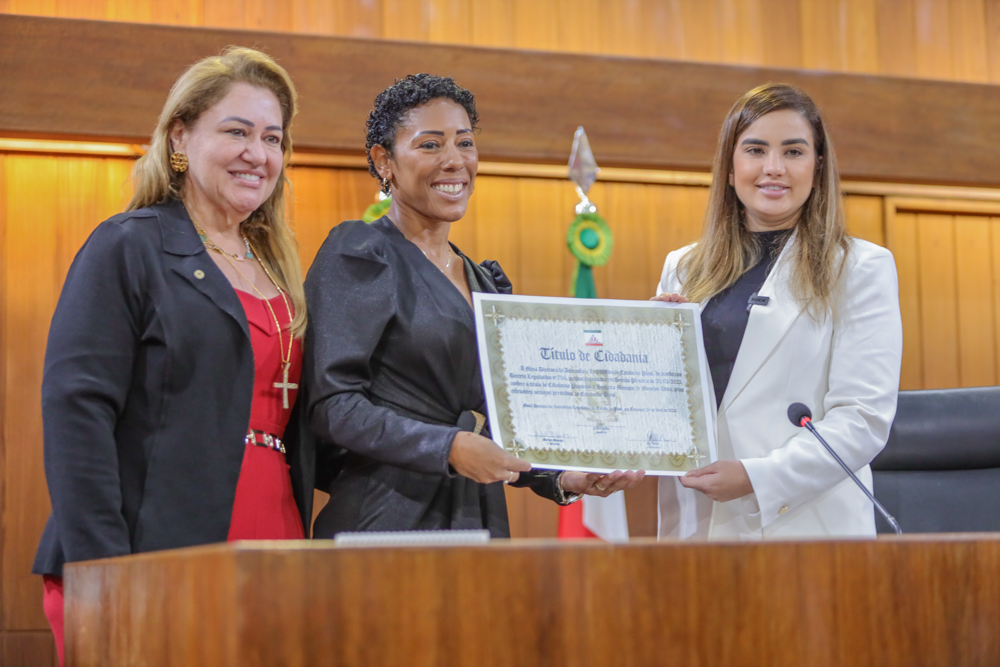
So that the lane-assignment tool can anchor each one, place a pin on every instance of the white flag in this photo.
(606, 517)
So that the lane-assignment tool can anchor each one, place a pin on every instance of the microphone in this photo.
(801, 415)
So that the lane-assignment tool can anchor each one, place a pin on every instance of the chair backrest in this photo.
(940, 469)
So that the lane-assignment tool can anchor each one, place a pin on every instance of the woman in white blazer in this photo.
(824, 329)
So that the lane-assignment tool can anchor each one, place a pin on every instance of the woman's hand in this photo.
(670, 297)
(481, 460)
(721, 481)
(594, 484)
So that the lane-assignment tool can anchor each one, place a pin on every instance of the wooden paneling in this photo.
(892, 602)
(3, 385)
(945, 39)
(118, 75)
(903, 243)
(938, 300)
(974, 287)
(865, 218)
(948, 259)
(28, 649)
(51, 205)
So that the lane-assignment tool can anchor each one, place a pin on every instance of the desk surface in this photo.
(910, 600)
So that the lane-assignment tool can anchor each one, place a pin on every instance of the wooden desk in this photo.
(910, 601)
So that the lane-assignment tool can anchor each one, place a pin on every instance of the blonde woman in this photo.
(174, 351)
(793, 310)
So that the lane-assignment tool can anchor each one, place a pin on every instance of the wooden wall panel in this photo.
(938, 300)
(322, 199)
(949, 39)
(31, 283)
(995, 252)
(905, 248)
(28, 649)
(117, 75)
(865, 218)
(974, 290)
(948, 259)
(52, 204)
(3, 385)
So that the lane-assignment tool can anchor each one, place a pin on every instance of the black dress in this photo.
(392, 375)
(724, 318)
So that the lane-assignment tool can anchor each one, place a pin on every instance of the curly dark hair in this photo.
(393, 103)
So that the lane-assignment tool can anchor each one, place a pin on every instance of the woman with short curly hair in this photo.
(392, 370)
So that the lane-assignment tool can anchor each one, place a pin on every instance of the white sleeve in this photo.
(860, 403)
(669, 282)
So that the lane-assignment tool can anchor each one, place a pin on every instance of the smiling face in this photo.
(774, 167)
(234, 154)
(433, 163)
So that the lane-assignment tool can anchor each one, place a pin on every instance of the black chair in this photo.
(940, 470)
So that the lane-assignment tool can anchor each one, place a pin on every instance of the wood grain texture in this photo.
(887, 602)
(865, 218)
(860, 36)
(901, 236)
(3, 382)
(673, 108)
(939, 297)
(28, 649)
(974, 287)
(31, 285)
(52, 205)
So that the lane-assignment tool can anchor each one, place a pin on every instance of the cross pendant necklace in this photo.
(285, 385)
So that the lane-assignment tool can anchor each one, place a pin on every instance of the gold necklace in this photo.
(451, 255)
(286, 361)
(212, 245)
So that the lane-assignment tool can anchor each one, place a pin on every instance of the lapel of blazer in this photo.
(189, 260)
(766, 327)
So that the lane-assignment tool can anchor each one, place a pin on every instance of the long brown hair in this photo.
(727, 248)
(197, 90)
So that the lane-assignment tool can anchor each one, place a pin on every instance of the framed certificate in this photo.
(596, 384)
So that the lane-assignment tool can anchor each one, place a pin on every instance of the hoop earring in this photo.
(178, 162)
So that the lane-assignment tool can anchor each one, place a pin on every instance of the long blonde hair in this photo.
(727, 248)
(198, 89)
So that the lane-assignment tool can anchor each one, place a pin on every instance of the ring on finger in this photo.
(511, 478)
(599, 487)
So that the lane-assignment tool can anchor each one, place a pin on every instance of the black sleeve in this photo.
(88, 369)
(500, 280)
(543, 483)
(351, 295)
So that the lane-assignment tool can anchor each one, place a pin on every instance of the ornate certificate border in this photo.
(491, 309)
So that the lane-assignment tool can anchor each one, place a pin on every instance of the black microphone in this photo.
(801, 415)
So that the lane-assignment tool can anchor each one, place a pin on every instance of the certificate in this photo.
(596, 384)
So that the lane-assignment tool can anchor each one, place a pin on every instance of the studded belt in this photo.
(262, 439)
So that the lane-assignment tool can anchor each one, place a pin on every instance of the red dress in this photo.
(265, 508)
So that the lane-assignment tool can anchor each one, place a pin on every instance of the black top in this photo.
(392, 372)
(146, 395)
(724, 318)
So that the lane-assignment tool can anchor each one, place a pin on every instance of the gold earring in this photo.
(386, 186)
(178, 162)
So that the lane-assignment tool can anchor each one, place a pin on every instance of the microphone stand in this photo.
(807, 422)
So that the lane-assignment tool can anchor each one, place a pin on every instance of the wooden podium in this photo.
(910, 601)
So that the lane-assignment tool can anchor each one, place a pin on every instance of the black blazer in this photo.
(146, 396)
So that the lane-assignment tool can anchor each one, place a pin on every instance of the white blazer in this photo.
(846, 371)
